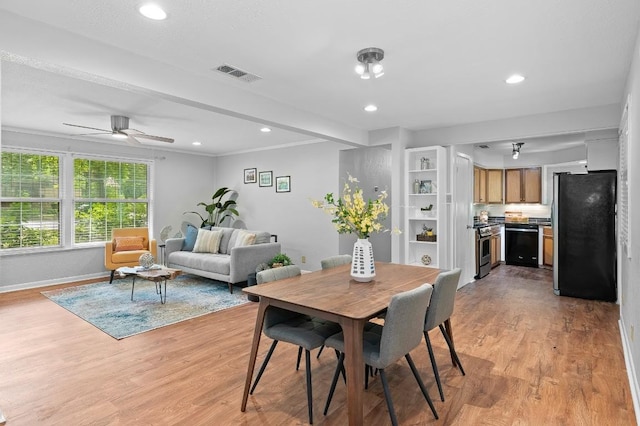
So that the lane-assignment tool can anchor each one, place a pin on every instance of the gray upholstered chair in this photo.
(292, 327)
(333, 261)
(440, 309)
(383, 346)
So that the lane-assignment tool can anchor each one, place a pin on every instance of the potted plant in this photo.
(218, 210)
(280, 259)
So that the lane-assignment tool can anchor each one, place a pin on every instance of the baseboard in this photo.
(631, 370)
(47, 283)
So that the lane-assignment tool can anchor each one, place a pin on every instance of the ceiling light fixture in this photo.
(515, 79)
(516, 150)
(119, 135)
(153, 11)
(371, 108)
(369, 63)
(196, 143)
(265, 130)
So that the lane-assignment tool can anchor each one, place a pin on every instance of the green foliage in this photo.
(217, 210)
(281, 258)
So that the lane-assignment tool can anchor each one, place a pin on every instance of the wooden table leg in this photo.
(354, 364)
(262, 308)
(447, 327)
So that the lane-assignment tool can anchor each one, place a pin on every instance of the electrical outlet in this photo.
(304, 259)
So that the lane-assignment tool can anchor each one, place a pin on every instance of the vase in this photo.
(363, 268)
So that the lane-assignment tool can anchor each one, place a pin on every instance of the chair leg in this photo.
(414, 370)
(452, 348)
(339, 368)
(264, 365)
(112, 273)
(366, 376)
(320, 351)
(433, 364)
(387, 397)
(299, 357)
(307, 358)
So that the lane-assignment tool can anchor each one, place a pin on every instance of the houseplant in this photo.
(218, 210)
(280, 259)
(353, 215)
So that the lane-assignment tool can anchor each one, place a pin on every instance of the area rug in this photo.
(109, 306)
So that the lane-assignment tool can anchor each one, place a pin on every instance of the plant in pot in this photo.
(218, 210)
(279, 260)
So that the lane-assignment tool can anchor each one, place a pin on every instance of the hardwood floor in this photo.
(531, 358)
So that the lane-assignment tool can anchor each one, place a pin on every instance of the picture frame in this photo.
(283, 183)
(265, 179)
(425, 186)
(250, 175)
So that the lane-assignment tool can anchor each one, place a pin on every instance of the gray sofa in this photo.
(231, 264)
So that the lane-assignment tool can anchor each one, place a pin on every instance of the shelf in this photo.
(423, 218)
(422, 171)
(432, 265)
(425, 193)
(433, 243)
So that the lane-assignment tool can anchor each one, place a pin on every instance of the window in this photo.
(30, 200)
(53, 200)
(107, 195)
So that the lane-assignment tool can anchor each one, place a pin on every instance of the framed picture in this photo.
(283, 184)
(250, 175)
(265, 179)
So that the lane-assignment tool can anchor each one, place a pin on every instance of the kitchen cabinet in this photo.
(496, 249)
(547, 246)
(523, 185)
(494, 186)
(425, 186)
(479, 185)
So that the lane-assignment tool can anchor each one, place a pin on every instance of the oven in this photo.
(521, 244)
(483, 251)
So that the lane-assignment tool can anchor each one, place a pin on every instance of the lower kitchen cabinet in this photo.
(496, 249)
(547, 246)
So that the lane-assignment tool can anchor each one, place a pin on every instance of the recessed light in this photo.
(153, 11)
(515, 79)
(371, 108)
(196, 143)
(265, 130)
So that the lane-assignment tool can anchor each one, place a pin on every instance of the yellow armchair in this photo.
(126, 247)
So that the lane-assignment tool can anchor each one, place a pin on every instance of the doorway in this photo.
(463, 232)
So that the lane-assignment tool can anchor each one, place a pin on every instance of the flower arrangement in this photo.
(352, 214)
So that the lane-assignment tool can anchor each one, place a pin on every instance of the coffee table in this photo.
(157, 274)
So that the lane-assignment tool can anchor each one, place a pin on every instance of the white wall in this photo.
(630, 265)
(180, 181)
(302, 229)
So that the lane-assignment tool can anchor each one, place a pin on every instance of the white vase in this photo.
(363, 268)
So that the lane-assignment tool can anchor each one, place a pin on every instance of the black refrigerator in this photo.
(584, 235)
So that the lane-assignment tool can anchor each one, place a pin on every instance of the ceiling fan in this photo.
(120, 130)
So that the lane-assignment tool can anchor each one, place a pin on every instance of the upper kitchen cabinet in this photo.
(523, 185)
(479, 185)
(494, 186)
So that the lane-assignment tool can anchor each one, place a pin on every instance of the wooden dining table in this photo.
(333, 295)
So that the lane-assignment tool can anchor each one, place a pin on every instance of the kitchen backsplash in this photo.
(531, 210)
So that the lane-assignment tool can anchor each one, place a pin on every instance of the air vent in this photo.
(238, 73)
(483, 146)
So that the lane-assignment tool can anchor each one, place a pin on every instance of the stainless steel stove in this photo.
(483, 250)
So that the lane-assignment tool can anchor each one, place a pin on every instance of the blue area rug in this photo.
(109, 306)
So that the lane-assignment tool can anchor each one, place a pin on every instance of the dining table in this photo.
(332, 294)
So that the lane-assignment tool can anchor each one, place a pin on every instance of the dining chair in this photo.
(282, 325)
(384, 345)
(440, 309)
(333, 261)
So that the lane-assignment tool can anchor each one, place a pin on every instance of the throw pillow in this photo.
(190, 238)
(207, 241)
(128, 244)
(245, 238)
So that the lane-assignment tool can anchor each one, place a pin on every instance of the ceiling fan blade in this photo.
(132, 141)
(139, 134)
(91, 134)
(85, 127)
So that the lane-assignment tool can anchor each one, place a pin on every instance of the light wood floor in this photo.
(531, 358)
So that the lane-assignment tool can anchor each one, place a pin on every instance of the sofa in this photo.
(219, 253)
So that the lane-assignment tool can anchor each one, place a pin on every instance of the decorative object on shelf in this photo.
(352, 215)
(427, 234)
(424, 163)
(283, 184)
(427, 211)
(426, 260)
(416, 186)
(250, 175)
(218, 211)
(146, 260)
(425, 186)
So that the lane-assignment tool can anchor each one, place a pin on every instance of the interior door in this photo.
(464, 235)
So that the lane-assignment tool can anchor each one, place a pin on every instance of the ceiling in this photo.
(445, 63)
